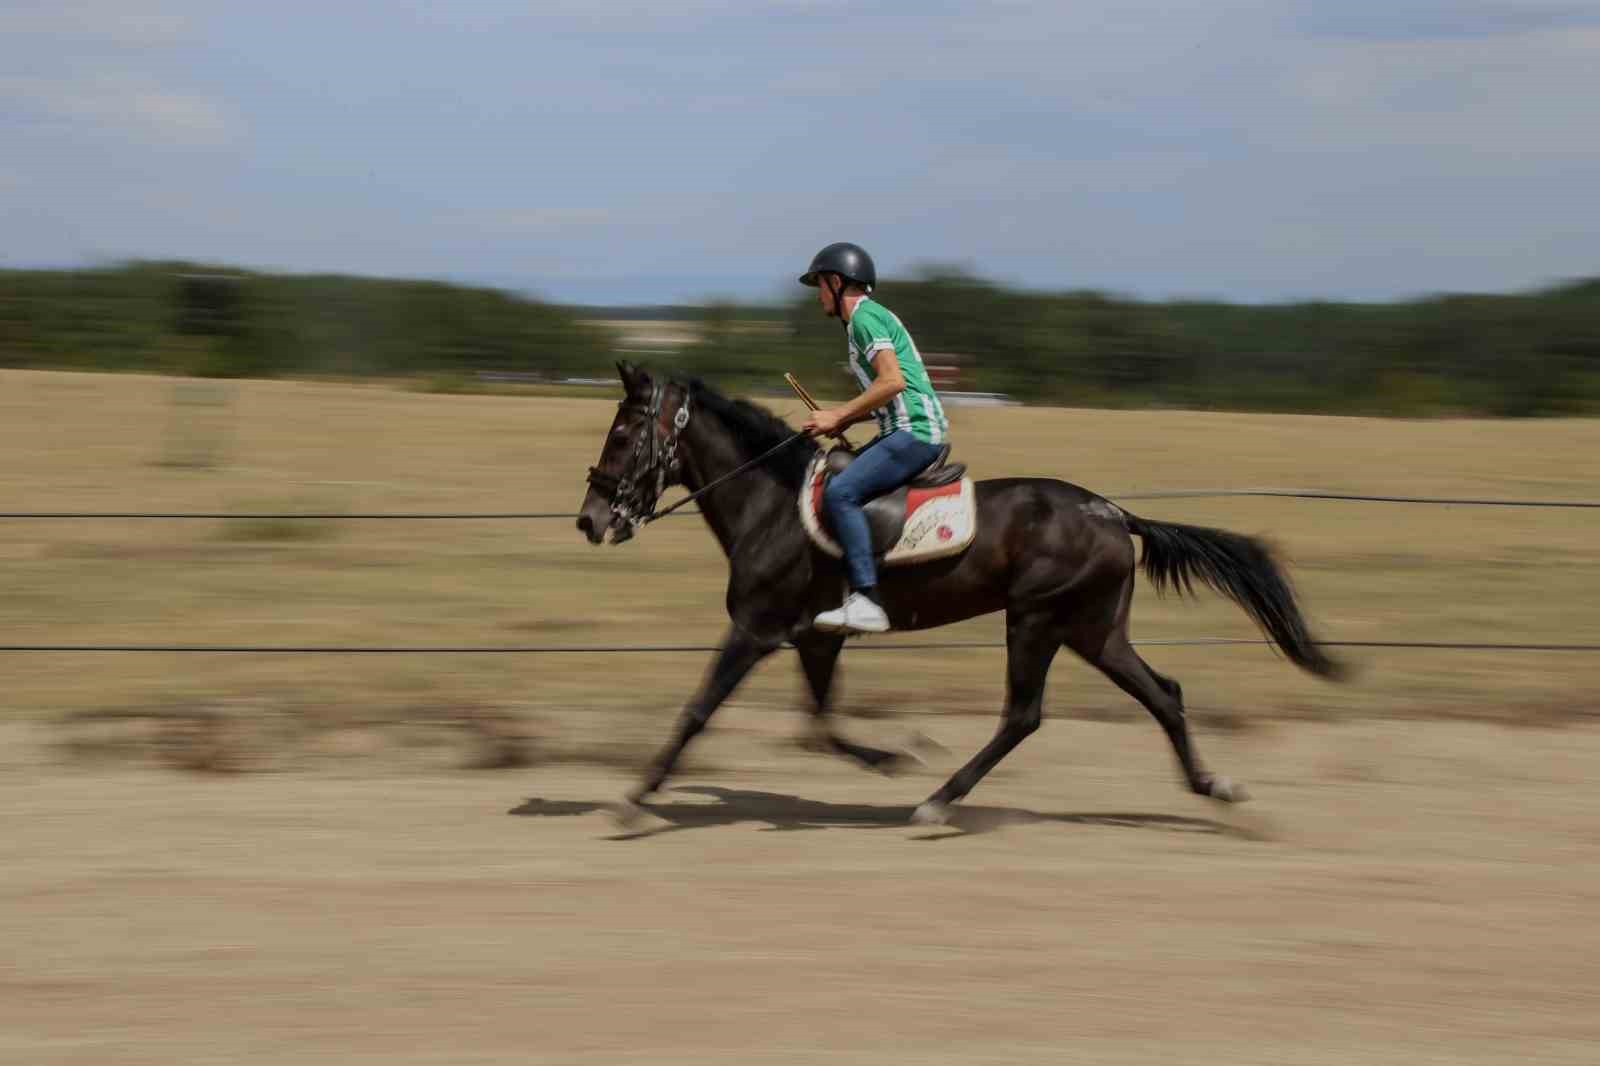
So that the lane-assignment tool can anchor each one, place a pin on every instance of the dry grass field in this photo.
(1416, 881)
(1365, 571)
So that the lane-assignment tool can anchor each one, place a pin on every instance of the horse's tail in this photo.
(1241, 568)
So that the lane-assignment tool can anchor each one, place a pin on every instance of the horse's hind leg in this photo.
(1032, 641)
(1163, 698)
(819, 658)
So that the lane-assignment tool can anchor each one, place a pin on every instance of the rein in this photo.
(769, 453)
(657, 460)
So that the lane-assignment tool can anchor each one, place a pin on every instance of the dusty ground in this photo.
(1408, 893)
(1415, 883)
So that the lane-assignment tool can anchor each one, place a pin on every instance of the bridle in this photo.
(654, 464)
(651, 467)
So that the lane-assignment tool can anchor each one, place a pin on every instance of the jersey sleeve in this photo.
(870, 331)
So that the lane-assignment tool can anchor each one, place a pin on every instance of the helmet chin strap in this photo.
(838, 300)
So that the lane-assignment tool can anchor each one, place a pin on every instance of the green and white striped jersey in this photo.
(873, 328)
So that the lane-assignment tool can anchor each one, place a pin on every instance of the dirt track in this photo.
(1405, 889)
(1421, 892)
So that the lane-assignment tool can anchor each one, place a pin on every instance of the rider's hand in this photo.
(825, 422)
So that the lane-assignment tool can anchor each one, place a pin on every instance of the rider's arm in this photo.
(888, 383)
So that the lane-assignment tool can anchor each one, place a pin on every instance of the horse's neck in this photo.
(739, 506)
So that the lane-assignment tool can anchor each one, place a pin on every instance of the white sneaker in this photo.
(858, 615)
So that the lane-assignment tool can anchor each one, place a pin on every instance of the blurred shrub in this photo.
(275, 529)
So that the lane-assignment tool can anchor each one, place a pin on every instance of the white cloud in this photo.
(1486, 98)
(133, 22)
(129, 104)
(678, 10)
(1417, 20)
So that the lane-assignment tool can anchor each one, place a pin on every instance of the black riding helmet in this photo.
(848, 260)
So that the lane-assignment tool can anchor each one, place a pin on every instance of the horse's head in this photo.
(639, 458)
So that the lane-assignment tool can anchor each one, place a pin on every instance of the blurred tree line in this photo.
(185, 318)
(1508, 355)
(1535, 353)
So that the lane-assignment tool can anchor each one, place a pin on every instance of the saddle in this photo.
(930, 517)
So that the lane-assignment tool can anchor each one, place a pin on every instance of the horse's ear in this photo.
(634, 379)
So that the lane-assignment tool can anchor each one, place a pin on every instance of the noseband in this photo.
(652, 466)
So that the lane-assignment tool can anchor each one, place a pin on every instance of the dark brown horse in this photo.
(1058, 559)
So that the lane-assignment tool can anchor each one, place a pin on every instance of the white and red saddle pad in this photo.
(937, 522)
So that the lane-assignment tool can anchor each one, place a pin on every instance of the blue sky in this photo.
(618, 151)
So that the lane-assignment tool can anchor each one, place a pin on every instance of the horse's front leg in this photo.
(739, 653)
(819, 657)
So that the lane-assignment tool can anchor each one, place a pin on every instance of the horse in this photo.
(1056, 558)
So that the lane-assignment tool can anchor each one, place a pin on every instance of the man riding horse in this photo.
(896, 391)
(1057, 559)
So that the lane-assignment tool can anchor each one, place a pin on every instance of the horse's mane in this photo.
(756, 429)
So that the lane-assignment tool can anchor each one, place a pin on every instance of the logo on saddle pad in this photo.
(912, 524)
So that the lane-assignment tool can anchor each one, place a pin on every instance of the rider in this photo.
(897, 391)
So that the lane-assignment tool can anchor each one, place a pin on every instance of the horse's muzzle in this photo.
(595, 522)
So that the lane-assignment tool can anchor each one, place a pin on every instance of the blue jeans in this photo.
(884, 464)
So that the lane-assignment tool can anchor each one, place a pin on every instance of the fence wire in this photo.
(1314, 494)
(622, 649)
(1155, 494)
(614, 649)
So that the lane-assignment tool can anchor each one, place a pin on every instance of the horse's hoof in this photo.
(931, 813)
(904, 761)
(1227, 790)
(628, 813)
